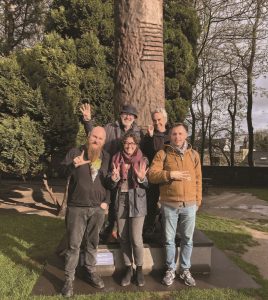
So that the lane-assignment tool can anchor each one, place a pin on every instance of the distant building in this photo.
(260, 159)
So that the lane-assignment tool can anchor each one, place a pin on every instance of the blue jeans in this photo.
(183, 217)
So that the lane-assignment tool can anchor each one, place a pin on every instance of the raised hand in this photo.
(150, 130)
(115, 172)
(180, 175)
(142, 171)
(79, 160)
(86, 111)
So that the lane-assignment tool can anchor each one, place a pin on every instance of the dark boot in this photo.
(139, 276)
(95, 280)
(127, 276)
(67, 290)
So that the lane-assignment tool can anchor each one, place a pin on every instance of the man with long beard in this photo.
(86, 204)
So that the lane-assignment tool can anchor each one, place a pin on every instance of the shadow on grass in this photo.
(28, 239)
(18, 194)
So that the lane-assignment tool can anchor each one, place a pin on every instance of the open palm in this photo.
(141, 171)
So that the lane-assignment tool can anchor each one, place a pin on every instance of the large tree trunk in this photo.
(259, 4)
(139, 59)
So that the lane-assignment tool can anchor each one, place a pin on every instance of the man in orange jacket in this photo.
(177, 169)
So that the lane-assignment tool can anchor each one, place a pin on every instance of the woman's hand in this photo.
(115, 173)
(142, 171)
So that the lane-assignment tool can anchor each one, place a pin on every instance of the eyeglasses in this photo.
(129, 144)
(127, 114)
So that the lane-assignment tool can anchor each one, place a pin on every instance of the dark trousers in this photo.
(130, 233)
(152, 195)
(80, 222)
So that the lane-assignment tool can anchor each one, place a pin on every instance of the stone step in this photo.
(110, 259)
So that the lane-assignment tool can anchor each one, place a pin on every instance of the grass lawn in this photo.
(27, 240)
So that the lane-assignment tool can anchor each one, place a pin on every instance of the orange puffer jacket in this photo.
(177, 190)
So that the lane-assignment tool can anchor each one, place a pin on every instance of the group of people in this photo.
(126, 172)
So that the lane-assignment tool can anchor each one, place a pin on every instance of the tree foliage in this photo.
(181, 31)
(42, 85)
(21, 23)
(21, 146)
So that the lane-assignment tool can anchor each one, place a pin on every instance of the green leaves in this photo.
(181, 30)
(21, 146)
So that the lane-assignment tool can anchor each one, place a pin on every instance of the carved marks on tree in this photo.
(152, 37)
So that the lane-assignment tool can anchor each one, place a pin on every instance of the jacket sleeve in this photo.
(88, 126)
(198, 175)
(105, 170)
(156, 173)
(148, 147)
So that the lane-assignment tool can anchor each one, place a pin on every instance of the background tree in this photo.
(90, 25)
(21, 146)
(21, 23)
(181, 31)
(51, 67)
(23, 119)
(224, 67)
(261, 140)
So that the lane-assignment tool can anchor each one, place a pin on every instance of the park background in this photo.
(56, 55)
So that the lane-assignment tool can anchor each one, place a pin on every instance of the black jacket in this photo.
(151, 145)
(82, 190)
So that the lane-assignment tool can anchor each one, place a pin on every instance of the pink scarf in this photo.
(121, 158)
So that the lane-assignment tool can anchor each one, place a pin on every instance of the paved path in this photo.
(243, 206)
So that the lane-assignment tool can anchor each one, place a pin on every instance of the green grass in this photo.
(25, 243)
(27, 240)
(227, 234)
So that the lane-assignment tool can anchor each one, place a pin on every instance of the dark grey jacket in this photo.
(137, 198)
(82, 190)
(114, 134)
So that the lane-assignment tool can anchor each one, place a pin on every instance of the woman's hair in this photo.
(136, 139)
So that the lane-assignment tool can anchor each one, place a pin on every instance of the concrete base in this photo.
(154, 257)
(224, 274)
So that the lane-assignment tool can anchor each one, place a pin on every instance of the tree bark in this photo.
(139, 59)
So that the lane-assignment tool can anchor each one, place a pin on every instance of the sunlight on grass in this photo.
(26, 242)
(226, 234)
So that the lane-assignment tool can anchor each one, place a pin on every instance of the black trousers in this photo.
(80, 222)
(152, 195)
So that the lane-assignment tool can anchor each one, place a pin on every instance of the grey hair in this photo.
(160, 110)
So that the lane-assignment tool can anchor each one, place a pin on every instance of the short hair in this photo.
(160, 110)
(178, 125)
(133, 135)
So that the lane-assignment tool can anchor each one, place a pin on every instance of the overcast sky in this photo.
(260, 107)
